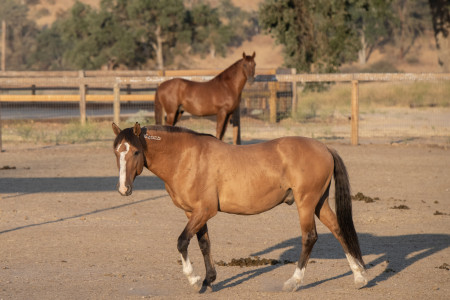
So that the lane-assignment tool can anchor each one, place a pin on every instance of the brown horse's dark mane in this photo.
(128, 135)
(174, 129)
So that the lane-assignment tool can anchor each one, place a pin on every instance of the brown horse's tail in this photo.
(344, 207)
(158, 109)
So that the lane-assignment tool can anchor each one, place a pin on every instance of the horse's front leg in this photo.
(205, 247)
(195, 223)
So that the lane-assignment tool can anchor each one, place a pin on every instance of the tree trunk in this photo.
(402, 16)
(362, 57)
(443, 46)
(212, 52)
(159, 48)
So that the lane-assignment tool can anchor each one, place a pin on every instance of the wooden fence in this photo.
(118, 80)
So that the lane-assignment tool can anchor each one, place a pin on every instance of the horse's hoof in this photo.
(196, 283)
(206, 289)
(291, 285)
(360, 281)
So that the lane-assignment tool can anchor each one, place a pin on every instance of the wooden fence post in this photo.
(273, 102)
(82, 98)
(116, 105)
(294, 94)
(355, 112)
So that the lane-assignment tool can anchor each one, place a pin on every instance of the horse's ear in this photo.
(254, 54)
(116, 129)
(243, 55)
(137, 129)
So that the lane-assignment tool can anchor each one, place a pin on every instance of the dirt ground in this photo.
(65, 232)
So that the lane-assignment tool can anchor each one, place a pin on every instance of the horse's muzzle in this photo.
(127, 192)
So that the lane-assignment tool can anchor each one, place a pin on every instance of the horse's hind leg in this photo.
(328, 218)
(205, 247)
(309, 238)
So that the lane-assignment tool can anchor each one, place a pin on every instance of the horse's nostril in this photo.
(129, 190)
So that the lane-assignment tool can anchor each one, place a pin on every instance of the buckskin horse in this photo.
(204, 176)
(219, 96)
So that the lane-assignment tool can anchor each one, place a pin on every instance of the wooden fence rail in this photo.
(120, 79)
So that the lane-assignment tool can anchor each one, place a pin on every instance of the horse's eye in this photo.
(136, 153)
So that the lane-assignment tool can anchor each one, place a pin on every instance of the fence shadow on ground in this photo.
(397, 252)
(83, 214)
(32, 185)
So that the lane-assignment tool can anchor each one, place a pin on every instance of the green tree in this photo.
(243, 25)
(209, 35)
(159, 25)
(20, 34)
(371, 21)
(75, 31)
(49, 51)
(215, 29)
(318, 36)
(94, 39)
(412, 18)
(440, 11)
(134, 33)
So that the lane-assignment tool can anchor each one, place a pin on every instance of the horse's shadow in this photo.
(398, 252)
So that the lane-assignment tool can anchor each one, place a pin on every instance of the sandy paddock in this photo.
(65, 233)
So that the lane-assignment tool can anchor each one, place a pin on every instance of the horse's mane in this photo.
(174, 129)
(129, 136)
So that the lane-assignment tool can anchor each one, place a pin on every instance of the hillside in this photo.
(421, 58)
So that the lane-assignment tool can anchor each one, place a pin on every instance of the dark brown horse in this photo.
(204, 176)
(219, 96)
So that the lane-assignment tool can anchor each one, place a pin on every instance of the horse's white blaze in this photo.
(188, 270)
(358, 271)
(123, 167)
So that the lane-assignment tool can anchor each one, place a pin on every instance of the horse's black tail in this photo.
(344, 207)
(158, 109)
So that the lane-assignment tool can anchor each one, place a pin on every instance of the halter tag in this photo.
(152, 137)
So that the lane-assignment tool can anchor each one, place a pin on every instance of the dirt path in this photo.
(65, 233)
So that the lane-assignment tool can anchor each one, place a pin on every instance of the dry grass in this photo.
(336, 99)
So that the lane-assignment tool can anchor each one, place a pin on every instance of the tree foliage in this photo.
(371, 20)
(136, 33)
(49, 51)
(318, 35)
(409, 23)
(21, 33)
(440, 11)
(209, 35)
